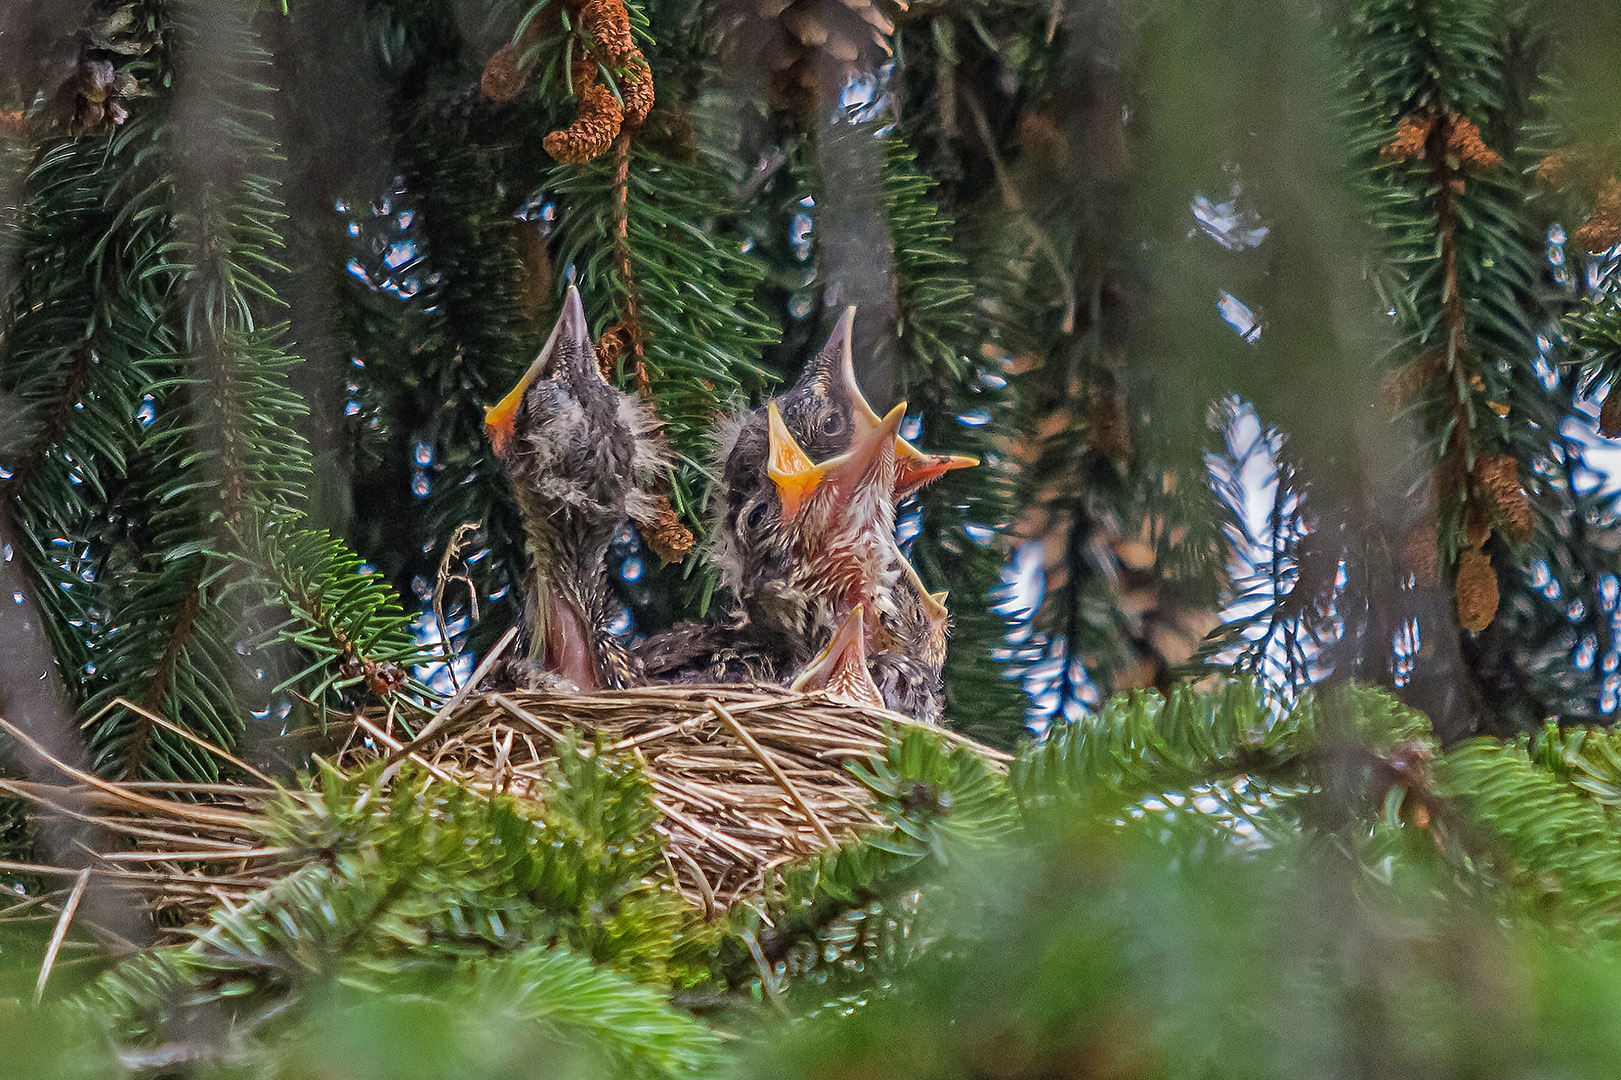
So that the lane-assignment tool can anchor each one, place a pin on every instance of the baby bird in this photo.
(804, 533)
(825, 409)
(825, 413)
(581, 456)
(913, 625)
(799, 542)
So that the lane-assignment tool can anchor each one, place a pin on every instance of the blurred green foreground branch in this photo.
(1193, 886)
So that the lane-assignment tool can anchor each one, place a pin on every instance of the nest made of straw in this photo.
(746, 780)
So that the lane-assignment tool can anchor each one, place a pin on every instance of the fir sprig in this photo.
(965, 407)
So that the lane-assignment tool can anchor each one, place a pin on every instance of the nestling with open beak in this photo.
(582, 457)
(805, 533)
(825, 410)
(840, 668)
(799, 542)
(803, 436)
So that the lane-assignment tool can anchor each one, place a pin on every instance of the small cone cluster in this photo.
(505, 74)
(1400, 386)
(1419, 554)
(1589, 172)
(1609, 416)
(602, 115)
(670, 540)
(1497, 502)
(1602, 230)
(596, 125)
(1464, 147)
(1497, 477)
(93, 86)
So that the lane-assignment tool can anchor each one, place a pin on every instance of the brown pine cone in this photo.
(637, 90)
(1499, 477)
(797, 45)
(593, 131)
(1476, 591)
(609, 26)
(504, 77)
(1609, 416)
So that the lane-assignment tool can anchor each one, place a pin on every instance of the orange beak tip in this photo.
(500, 425)
(500, 439)
(788, 466)
(794, 487)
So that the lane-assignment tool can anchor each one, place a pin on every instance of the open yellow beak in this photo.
(854, 469)
(789, 467)
(841, 667)
(934, 603)
(915, 467)
(797, 477)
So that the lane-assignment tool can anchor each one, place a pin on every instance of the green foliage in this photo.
(1032, 918)
(383, 885)
(158, 439)
(965, 409)
(1549, 803)
(345, 618)
(1101, 958)
(857, 911)
(535, 1011)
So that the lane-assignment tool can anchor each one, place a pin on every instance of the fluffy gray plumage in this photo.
(582, 457)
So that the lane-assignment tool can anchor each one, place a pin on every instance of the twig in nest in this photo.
(519, 712)
(396, 746)
(228, 818)
(60, 933)
(776, 770)
(699, 878)
(458, 540)
(451, 703)
(148, 714)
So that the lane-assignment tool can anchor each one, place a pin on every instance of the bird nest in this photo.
(745, 780)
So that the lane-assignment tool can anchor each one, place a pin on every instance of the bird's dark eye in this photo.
(834, 424)
(756, 517)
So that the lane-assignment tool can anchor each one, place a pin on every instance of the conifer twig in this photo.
(453, 547)
(60, 933)
(153, 717)
(212, 815)
(1011, 196)
(452, 702)
(773, 768)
